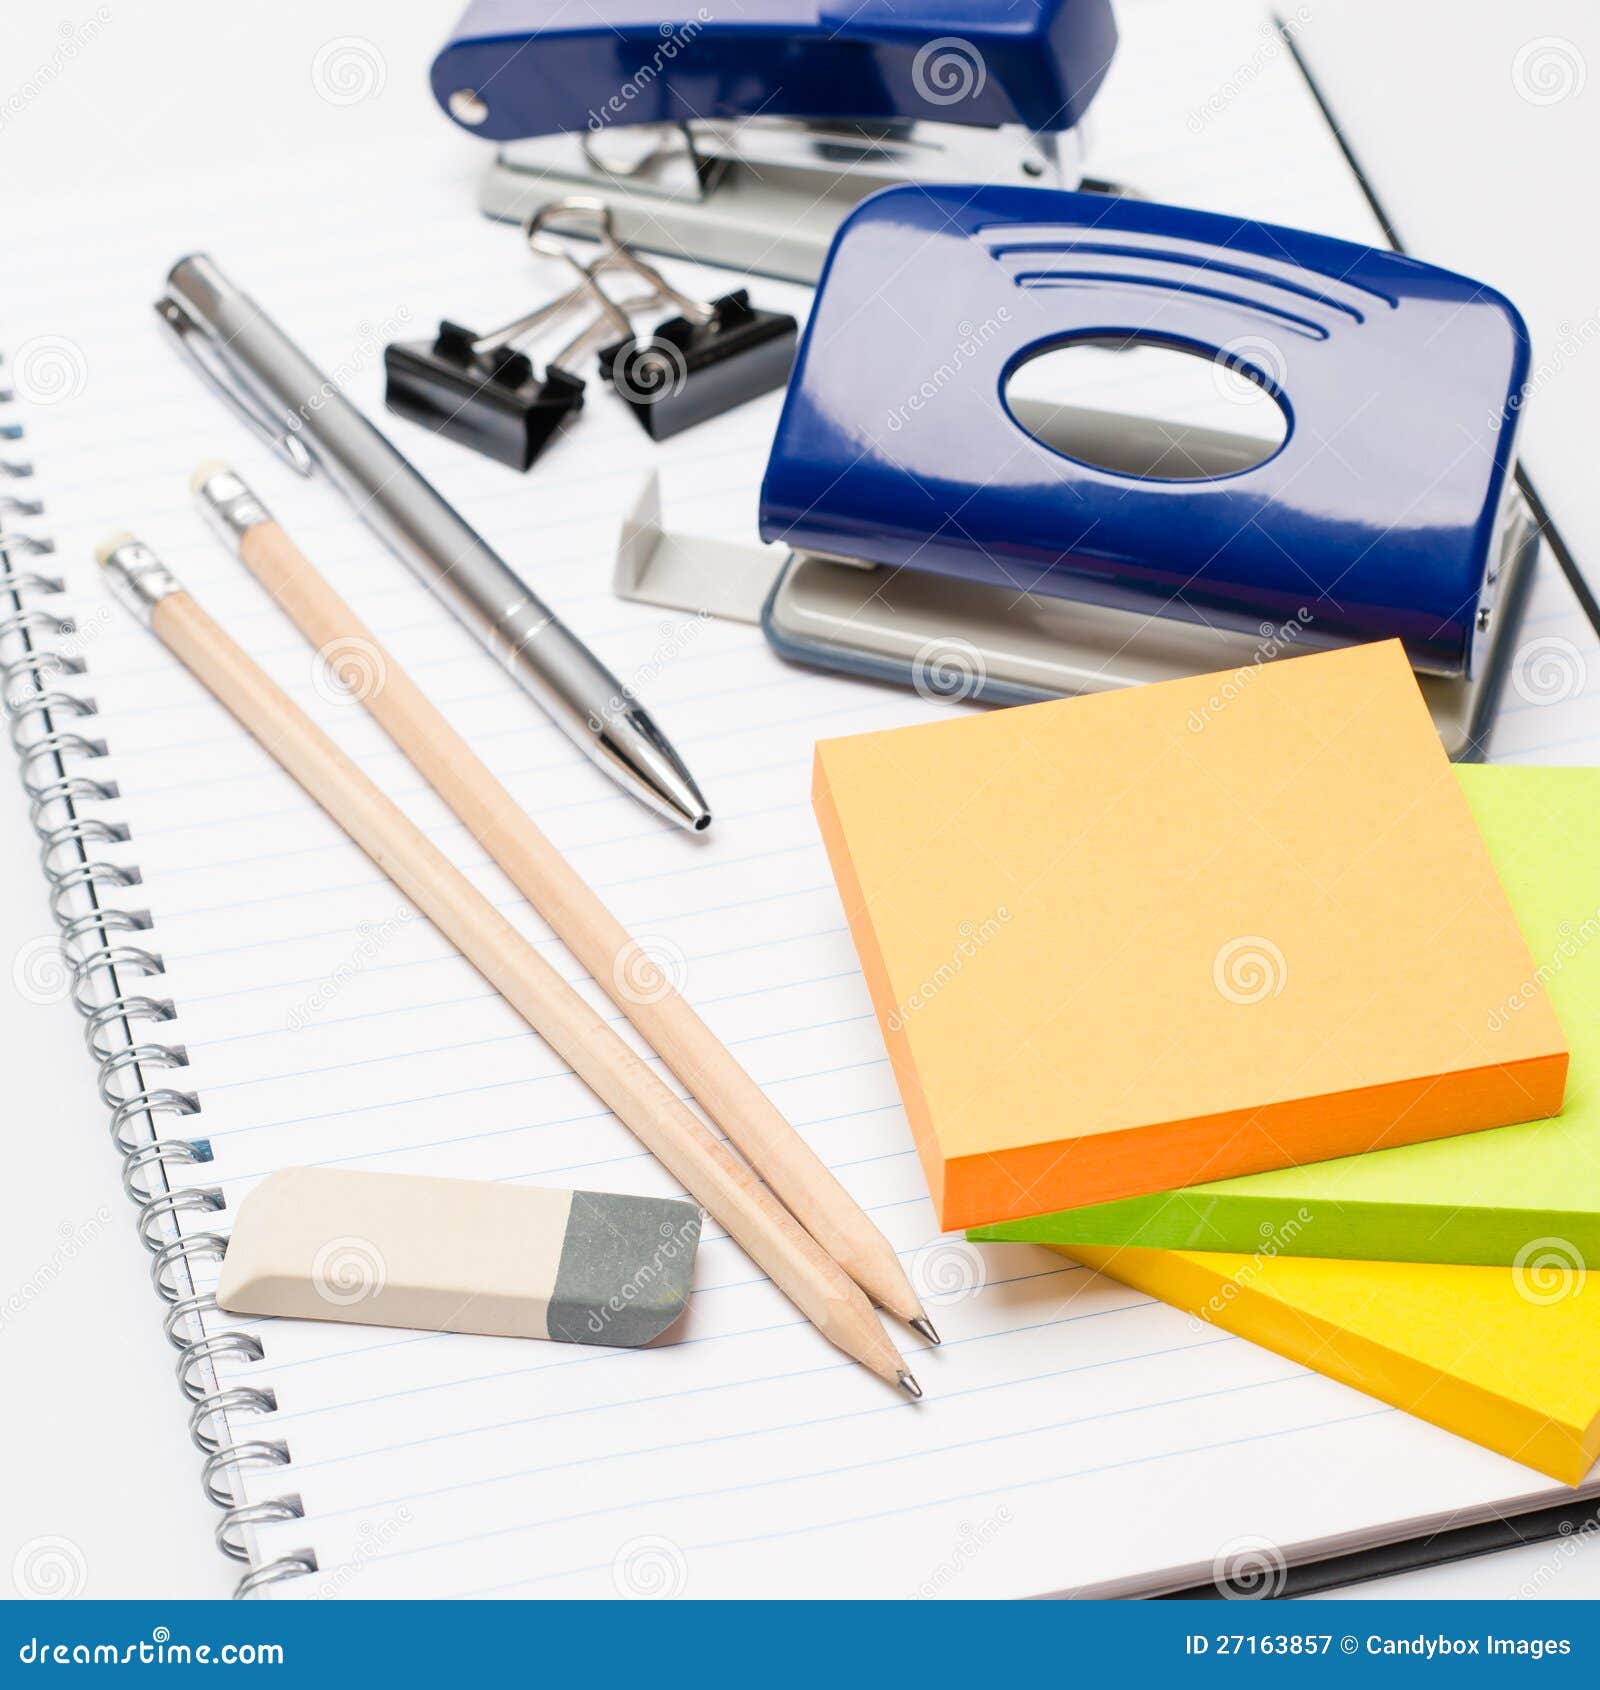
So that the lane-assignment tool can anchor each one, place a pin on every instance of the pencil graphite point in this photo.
(909, 1385)
(925, 1326)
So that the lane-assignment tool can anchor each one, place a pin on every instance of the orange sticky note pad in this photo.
(1148, 938)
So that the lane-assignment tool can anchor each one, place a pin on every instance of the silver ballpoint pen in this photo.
(310, 424)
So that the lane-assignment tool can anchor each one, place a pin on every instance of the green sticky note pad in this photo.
(1484, 1197)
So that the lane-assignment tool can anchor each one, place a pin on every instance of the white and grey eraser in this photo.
(447, 1255)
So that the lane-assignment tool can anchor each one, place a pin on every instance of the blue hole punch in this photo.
(923, 524)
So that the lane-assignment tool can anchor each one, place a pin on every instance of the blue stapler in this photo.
(934, 519)
(744, 138)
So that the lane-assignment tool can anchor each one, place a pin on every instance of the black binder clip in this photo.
(715, 355)
(482, 392)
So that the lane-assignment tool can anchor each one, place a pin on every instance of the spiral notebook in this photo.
(258, 995)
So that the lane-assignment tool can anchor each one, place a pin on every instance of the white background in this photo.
(92, 1425)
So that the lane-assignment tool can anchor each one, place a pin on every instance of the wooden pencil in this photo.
(704, 1166)
(624, 971)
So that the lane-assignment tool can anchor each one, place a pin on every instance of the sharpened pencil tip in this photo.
(910, 1386)
(925, 1326)
(638, 756)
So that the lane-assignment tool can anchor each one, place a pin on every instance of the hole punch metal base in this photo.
(1003, 647)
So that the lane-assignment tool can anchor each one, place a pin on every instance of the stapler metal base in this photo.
(762, 199)
(959, 639)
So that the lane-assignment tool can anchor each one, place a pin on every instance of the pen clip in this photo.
(189, 336)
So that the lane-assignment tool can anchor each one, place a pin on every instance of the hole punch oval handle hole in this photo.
(1150, 410)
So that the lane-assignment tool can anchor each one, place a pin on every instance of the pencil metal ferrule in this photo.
(228, 505)
(137, 577)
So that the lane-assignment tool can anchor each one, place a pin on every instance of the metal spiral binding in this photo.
(106, 952)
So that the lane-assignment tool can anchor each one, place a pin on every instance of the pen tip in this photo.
(925, 1326)
(909, 1385)
(639, 752)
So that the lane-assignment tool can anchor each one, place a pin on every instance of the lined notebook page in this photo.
(1074, 1432)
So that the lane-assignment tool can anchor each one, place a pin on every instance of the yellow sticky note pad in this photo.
(1508, 1357)
(1144, 939)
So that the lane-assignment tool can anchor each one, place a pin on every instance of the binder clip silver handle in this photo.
(614, 254)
